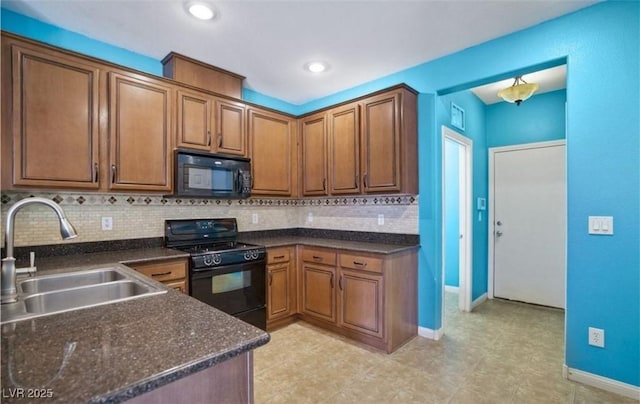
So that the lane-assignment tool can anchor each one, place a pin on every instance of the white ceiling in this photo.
(269, 41)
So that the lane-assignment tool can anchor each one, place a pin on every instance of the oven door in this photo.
(234, 289)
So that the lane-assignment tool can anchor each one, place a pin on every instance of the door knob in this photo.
(498, 233)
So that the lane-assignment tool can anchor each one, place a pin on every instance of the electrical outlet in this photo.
(596, 337)
(310, 217)
(380, 219)
(254, 218)
(107, 223)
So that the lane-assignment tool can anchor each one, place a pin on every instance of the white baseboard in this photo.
(479, 301)
(601, 382)
(431, 334)
(452, 289)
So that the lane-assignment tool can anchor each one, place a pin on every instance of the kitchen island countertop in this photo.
(110, 353)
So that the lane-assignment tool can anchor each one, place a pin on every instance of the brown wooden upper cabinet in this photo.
(140, 111)
(389, 142)
(366, 146)
(344, 144)
(273, 152)
(210, 124)
(313, 143)
(50, 126)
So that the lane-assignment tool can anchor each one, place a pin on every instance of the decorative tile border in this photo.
(66, 199)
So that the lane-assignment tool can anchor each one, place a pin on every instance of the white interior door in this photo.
(529, 218)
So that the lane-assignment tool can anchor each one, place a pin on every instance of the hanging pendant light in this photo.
(519, 91)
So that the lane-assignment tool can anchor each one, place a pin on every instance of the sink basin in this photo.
(70, 280)
(50, 294)
(76, 298)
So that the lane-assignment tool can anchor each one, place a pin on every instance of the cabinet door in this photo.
(278, 291)
(313, 141)
(318, 293)
(231, 136)
(194, 120)
(273, 151)
(55, 119)
(140, 133)
(361, 302)
(381, 143)
(344, 140)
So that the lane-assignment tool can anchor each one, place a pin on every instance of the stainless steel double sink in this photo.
(51, 294)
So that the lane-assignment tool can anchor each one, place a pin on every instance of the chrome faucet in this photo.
(9, 292)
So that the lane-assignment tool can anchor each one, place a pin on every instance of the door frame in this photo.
(466, 216)
(491, 207)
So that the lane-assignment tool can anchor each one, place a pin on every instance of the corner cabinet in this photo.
(50, 116)
(140, 122)
(273, 153)
(281, 286)
(369, 297)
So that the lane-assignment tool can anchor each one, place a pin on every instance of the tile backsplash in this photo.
(142, 216)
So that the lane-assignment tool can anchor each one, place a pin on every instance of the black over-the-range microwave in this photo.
(207, 175)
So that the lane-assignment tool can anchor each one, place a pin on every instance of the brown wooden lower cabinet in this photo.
(369, 297)
(172, 272)
(281, 286)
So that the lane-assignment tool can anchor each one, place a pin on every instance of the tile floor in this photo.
(503, 352)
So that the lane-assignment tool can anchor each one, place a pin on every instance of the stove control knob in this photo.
(254, 254)
(217, 259)
(208, 260)
(247, 255)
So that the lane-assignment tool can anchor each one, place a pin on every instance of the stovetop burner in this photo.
(211, 242)
(217, 247)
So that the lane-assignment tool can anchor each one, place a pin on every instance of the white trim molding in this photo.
(481, 299)
(604, 383)
(451, 289)
(431, 334)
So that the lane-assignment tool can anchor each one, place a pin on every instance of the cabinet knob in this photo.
(324, 184)
(219, 140)
(113, 173)
(331, 281)
(340, 282)
(161, 274)
(208, 138)
(365, 180)
(270, 279)
(95, 172)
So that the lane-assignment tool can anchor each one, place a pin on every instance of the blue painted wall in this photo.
(538, 119)
(475, 129)
(600, 45)
(452, 214)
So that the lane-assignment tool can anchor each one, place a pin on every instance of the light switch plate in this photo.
(380, 219)
(601, 225)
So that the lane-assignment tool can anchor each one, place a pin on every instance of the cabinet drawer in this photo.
(360, 262)
(163, 270)
(319, 256)
(275, 255)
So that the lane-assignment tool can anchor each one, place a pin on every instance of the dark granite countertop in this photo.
(103, 258)
(121, 350)
(361, 246)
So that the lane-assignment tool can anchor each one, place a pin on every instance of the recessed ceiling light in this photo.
(316, 67)
(201, 11)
